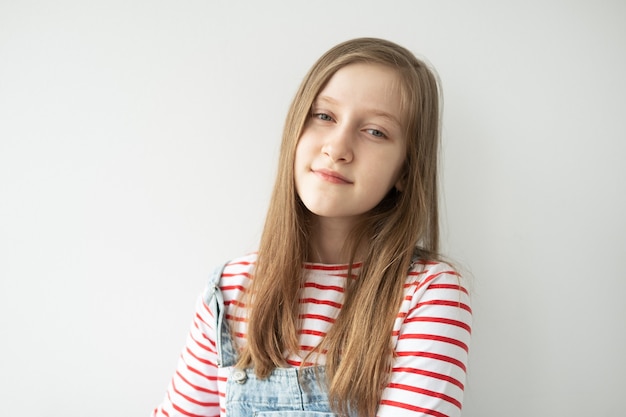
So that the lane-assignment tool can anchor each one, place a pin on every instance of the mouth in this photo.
(331, 176)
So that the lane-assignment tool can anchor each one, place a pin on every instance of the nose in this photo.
(338, 145)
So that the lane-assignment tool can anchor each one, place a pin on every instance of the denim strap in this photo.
(226, 354)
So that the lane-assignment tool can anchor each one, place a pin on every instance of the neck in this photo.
(328, 238)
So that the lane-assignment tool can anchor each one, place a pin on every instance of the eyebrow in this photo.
(375, 112)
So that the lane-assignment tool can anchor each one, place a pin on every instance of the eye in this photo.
(375, 132)
(323, 116)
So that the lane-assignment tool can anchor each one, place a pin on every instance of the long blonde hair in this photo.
(358, 347)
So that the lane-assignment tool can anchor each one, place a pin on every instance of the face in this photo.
(352, 148)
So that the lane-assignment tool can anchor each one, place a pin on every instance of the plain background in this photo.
(138, 144)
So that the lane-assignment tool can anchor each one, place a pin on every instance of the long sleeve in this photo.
(193, 390)
(433, 334)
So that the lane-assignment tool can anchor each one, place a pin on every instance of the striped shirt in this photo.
(431, 336)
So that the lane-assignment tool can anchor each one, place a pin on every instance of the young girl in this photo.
(346, 308)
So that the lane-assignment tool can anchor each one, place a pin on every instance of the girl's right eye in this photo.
(323, 116)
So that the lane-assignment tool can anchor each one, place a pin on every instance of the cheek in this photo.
(382, 184)
(396, 168)
(298, 160)
(301, 164)
(401, 166)
(304, 152)
(401, 173)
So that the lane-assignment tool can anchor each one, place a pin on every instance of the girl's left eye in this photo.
(375, 132)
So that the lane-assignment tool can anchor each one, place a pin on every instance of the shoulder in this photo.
(429, 280)
(232, 275)
(243, 265)
(436, 302)
(424, 272)
(236, 277)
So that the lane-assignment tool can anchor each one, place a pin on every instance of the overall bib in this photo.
(286, 392)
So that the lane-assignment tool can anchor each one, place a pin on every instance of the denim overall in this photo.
(286, 392)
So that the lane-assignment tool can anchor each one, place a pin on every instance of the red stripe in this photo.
(430, 374)
(447, 303)
(320, 267)
(232, 287)
(180, 410)
(187, 413)
(426, 281)
(429, 393)
(197, 372)
(231, 275)
(193, 400)
(235, 318)
(207, 310)
(312, 332)
(293, 363)
(205, 347)
(196, 387)
(448, 287)
(413, 408)
(201, 320)
(316, 317)
(440, 320)
(323, 287)
(306, 348)
(204, 336)
(235, 303)
(430, 278)
(437, 338)
(243, 262)
(437, 356)
(316, 301)
(353, 276)
(199, 359)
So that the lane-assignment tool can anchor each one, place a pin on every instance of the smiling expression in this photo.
(352, 148)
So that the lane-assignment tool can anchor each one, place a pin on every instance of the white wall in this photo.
(137, 149)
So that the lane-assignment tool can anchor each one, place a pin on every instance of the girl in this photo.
(345, 309)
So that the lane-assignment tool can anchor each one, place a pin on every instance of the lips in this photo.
(331, 176)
